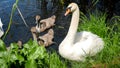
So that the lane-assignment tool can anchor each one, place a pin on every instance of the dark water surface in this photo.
(30, 8)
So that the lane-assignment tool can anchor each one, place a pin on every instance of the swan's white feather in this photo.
(1, 29)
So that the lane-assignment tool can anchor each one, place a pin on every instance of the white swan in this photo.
(1, 29)
(76, 46)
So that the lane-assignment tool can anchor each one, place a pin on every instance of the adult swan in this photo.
(76, 46)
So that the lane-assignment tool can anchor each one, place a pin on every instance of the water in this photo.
(28, 8)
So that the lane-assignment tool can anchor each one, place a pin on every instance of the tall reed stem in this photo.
(11, 16)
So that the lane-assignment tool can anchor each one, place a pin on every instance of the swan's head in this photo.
(71, 8)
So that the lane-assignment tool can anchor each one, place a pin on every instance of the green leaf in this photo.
(12, 53)
(3, 49)
(27, 47)
(2, 46)
(13, 57)
(3, 63)
(3, 66)
(20, 58)
(31, 64)
(30, 44)
(24, 51)
(42, 52)
(1, 54)
(35, 43)
(35, 53)
(14, 45)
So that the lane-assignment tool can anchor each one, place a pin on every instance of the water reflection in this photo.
(42, 5)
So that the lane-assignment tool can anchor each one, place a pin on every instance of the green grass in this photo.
(56, 62)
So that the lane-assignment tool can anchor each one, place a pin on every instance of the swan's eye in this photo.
(69, 8)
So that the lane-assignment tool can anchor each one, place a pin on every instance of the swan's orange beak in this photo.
(67, 12)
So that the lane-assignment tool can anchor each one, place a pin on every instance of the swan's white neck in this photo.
(73, 27)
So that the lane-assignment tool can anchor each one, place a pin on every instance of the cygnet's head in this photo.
(37, 18)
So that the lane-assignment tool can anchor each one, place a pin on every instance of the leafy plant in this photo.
(31, 55)
(9, 57)
(13, 56)
(35, 54)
